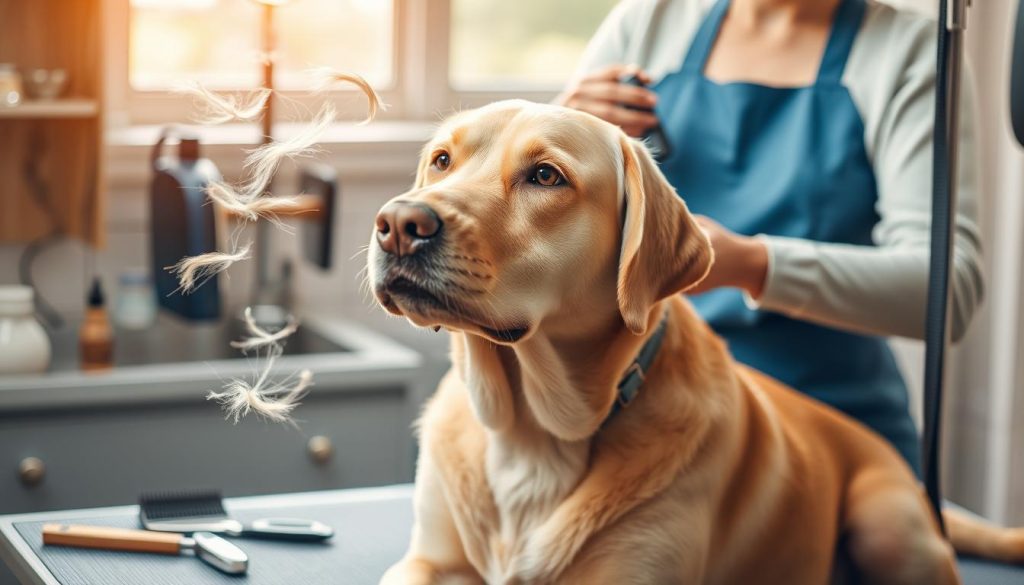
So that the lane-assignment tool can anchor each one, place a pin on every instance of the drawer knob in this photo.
(320, 449)
(31, 471)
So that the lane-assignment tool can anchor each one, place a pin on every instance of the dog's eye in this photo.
(547, 176)
(442, 161)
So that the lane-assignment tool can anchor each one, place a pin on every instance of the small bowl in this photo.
(46, 84)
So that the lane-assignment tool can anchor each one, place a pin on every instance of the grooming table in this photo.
(372, 531)
(372, 528)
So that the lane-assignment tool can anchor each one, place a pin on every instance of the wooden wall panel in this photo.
(68, 152)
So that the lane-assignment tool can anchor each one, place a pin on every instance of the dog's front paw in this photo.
(395, 576)
(413, 572)
(410, 572)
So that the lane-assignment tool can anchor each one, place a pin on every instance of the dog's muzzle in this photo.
(403, 228)
(413, 274)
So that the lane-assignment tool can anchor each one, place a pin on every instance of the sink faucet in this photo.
(262, 294)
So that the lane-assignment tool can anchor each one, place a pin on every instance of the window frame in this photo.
(421, 89)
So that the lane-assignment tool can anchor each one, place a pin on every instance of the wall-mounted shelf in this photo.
(51, 151)
(51, 109)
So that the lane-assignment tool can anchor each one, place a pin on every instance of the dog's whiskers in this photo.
(365, 288)
(361, 250)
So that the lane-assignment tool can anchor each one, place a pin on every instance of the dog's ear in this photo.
(664, 251)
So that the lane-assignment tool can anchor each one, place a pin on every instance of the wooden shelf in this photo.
(50, 109)
(51, 151)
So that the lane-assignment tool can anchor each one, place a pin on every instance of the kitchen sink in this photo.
(172, 340)
(177, 360)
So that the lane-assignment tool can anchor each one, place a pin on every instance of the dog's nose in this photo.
(402, 227)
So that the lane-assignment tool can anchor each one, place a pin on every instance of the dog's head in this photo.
(526, 216)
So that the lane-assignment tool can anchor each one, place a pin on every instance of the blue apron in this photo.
(787, 162)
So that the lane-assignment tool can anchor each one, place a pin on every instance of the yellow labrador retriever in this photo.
(593, 429)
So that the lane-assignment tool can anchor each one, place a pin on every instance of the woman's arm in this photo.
(883, 290)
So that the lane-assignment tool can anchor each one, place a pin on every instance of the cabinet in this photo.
(108, 456)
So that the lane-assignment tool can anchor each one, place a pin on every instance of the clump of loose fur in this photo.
(262, 163)
(231, 200)
(260, 337)
(273, 401)
(269, 400)
(327, 77)
(220, 108)
(193, 271)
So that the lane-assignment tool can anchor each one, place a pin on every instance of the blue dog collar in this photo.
(633, 379)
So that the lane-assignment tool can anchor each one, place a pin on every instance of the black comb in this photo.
(182, 504)
(203, 511)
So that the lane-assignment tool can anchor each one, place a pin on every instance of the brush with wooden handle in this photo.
(209, 547)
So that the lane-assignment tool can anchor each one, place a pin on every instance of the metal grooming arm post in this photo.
(1017, 77)
(951, 25)
(268, 46)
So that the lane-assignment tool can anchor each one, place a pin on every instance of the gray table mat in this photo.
(979, 572)
(369, 537)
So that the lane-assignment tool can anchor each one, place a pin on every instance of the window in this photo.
(496, 43)
(216, 42)
(423, 56)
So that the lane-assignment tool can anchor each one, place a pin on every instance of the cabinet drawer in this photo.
(107, 457)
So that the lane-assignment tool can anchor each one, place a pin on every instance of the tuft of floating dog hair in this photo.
(250, 209)
(260, 337)
(193, 271)
(262, 163)
(273, 402)
(221, 108)
(327, 77)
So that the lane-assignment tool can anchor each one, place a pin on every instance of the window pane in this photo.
(216, 42)
(521, 43)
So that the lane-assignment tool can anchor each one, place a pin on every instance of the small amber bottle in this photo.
(96, 337)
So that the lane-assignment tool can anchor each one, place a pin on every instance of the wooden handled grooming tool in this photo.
(209, 547)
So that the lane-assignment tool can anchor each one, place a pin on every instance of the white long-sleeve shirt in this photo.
(890, 74)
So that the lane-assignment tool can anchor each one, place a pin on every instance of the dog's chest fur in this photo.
(529, 476)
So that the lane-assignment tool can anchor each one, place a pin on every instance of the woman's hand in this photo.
(601, 94)
(740, 261)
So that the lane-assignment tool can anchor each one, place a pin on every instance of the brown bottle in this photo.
(96, 337)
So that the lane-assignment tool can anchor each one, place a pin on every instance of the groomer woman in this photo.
(802, 131)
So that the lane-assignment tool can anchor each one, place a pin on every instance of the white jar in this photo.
(24, 345)
(10, 86)
(136, 301)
